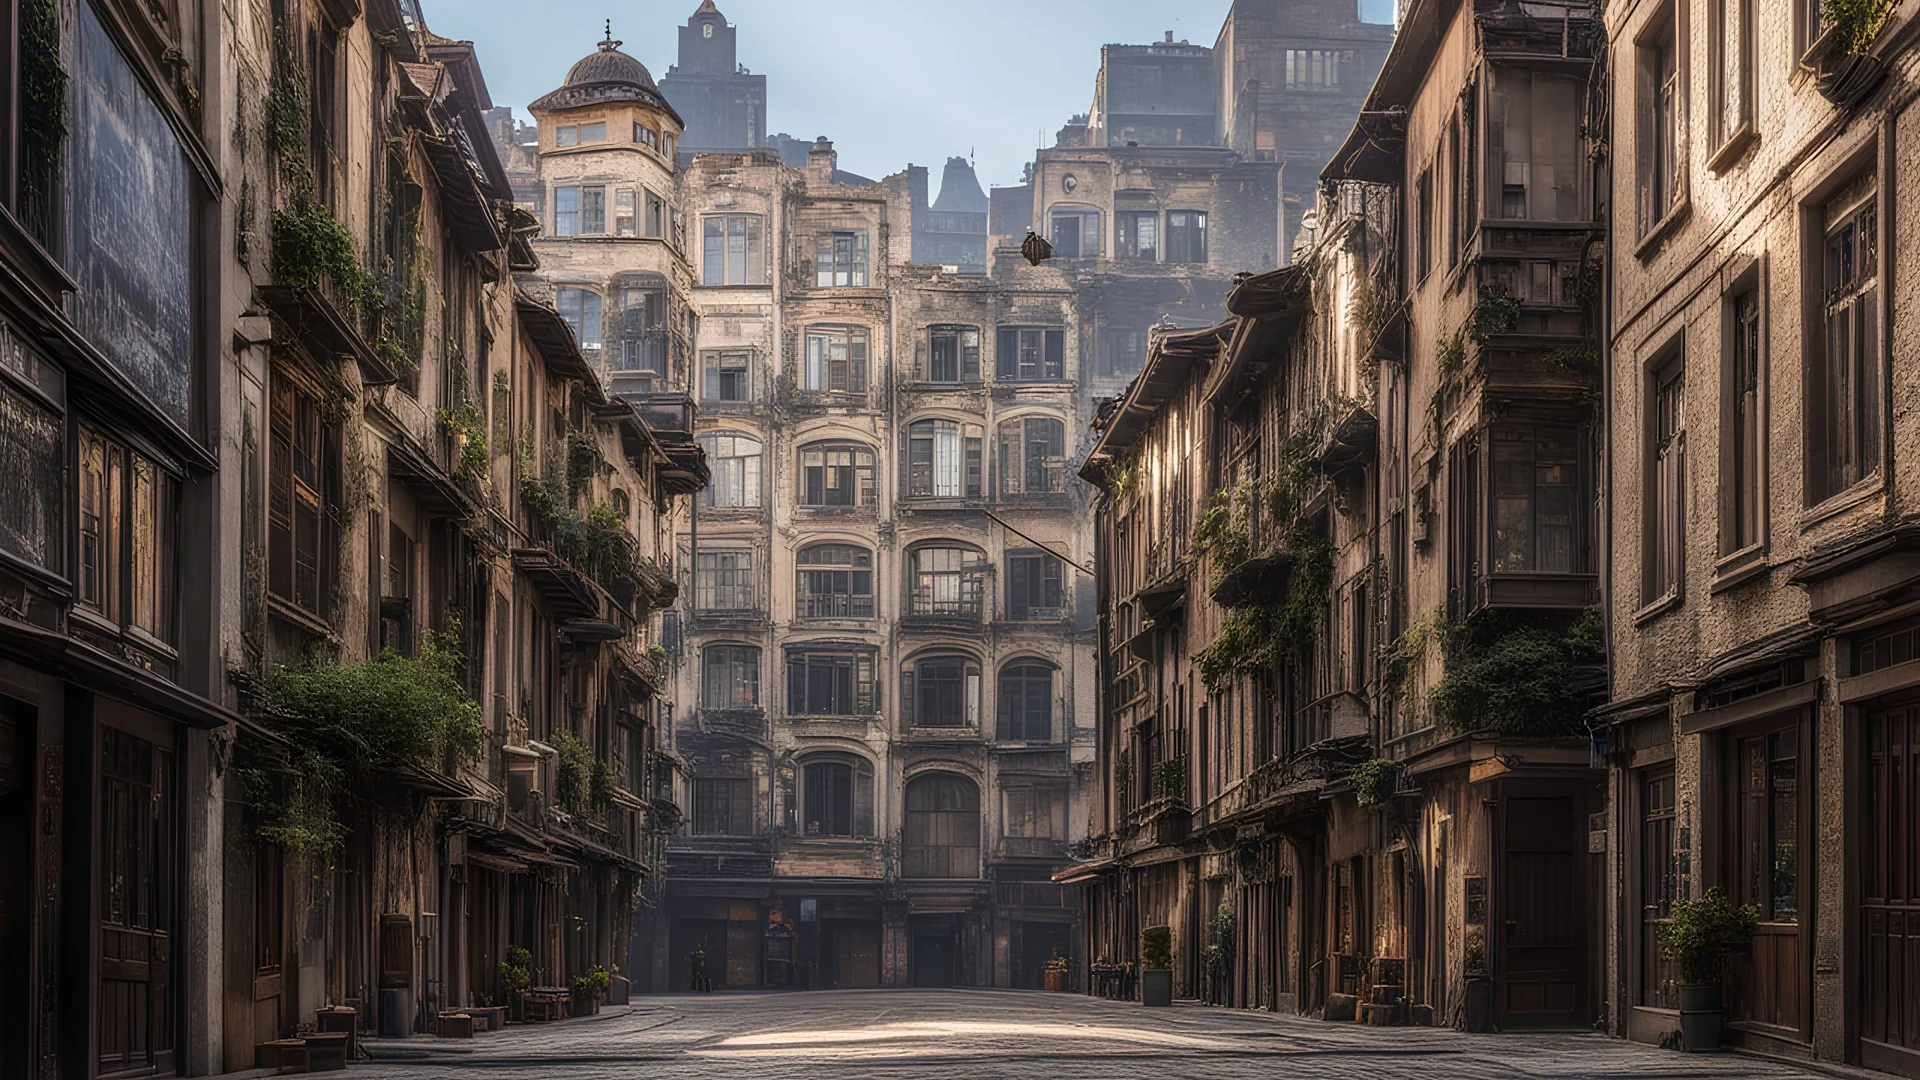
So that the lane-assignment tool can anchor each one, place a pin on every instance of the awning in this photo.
(324, 330)
(468, 214)
(553, 336)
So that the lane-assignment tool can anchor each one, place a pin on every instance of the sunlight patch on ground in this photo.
(899, 1040)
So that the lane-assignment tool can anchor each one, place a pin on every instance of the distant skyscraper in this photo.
(725, 106)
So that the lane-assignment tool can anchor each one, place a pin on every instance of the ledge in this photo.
(1753, 708)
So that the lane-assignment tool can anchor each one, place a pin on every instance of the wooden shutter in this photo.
(862, 799)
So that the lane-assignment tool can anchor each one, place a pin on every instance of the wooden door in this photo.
(1767, 987)
(1890, 894)
(136, 895)
(1540, 965)
(1659, 977)
(269, 943)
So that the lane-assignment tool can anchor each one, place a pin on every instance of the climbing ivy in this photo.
(1374, 781)
(1519, 678)
(585, 782)
(467, 427)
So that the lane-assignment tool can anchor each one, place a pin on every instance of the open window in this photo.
(943, 460)
(835, 361)
(953, 354)
(833, 581)
(1076, 234)
(726, 377)
(735, 464)
(941, 690)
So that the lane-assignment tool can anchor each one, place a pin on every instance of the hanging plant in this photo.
(1374, 781)
(468, 429)
(583, 462)
(1520, 679)
(311, 249)
(584, 781)
(1854, 24)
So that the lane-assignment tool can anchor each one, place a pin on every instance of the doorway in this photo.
(135, 887)
(1540, 971)
(1766, 829)
(1890, 894)
(933, 951)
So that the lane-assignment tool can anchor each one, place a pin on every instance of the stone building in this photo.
(725, 105)
(315, 712)
(1760, 737)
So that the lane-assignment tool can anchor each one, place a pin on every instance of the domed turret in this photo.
(605, 76)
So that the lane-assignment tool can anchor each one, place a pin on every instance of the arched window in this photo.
(947, 581)
(735, 461)
(834, 581)
(941, 691)
(730, 677)
(1033, 452)
(1026, 703)
(943, 459)
(943, 827)
(836, 474)
(836, 795)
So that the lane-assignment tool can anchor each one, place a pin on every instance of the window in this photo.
(836, 361)
(1423, 223)
(578, 134)
(1743, 454)
(1026, 703)
(1659, 120)
(566, 211)
(1313, 69)
(1186, 236)
(624, 223)
(941, 691)
(837, 794)
(643, 332)
(1028, 354)
(723, 806)
(646, 136)
(301, 475)
(733, 250)
(1076, 234)
(396, 619)
(1533, 145)
(581, 309)
(947, 582)
(943, 459)
(1537, 526)
(730, 677)
(1730, 54)
(943, 828)
(1033, 820)
(830, 682)
(1033, 586)
(735, 464)
(1032, 457)
(953, 354)
(1666, 483)
(1846, 429)
(833, 581)
(842, 261)
(723, 581)
(1765, 824)
(668, 144)
(656, 216)
(593, 211)
(1121, 352)
(725, 378)
(1136, 235)
(836, 474)
(128, 523)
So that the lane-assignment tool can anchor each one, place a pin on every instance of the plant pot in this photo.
(1845, 79)
(1156, 988)
(586, 1004)
(1056, 980)
(1700, 1014)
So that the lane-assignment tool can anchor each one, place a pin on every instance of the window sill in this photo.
(1655, 610)
(1734, 149)
(1662, 230)
(736, 286)
(301, 619)
(1834, 505)
(1739, 568)
(929, 386)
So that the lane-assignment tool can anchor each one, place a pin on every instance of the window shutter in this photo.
(862, 799)
(1007, 355)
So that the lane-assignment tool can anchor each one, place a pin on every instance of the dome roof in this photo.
(607, 75)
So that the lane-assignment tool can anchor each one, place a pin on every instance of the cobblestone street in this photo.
(867, 1035)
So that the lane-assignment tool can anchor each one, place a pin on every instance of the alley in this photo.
(862, 1034)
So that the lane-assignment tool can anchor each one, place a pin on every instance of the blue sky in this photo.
(889, 81)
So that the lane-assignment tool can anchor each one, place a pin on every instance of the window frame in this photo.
(922, 701)
(718, 259)
(1186, 242)
(714, 372)
(843, 259)
(1126, 236)
(924, 474)
(586, 316)
(807, 663)
(1039, 573)
(730, 796)
(1663, 536)
(921, 856)
(740, 664)
(1743, 416)
(1831, 478)
(725, 573)
(817, 365)
(752, 480)
(817, 774)
(1082, 215)
(1660, 120)
(1730, 77)
(927, 586)
(861, 480)
(1014, 688)
(965, 358)
(131, 580)
(314, 486)
(1015, 463)
(1014, 361)
(842, 597)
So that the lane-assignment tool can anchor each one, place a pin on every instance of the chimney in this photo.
(822, 163)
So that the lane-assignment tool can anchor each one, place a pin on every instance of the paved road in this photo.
(997, 1034)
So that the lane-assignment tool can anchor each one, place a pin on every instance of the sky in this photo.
(889, 81)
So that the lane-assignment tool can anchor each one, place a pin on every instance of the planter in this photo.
(586, 1005)
(1846, 79)
(1700, 1013)
(1156, 988)
(1056, 980)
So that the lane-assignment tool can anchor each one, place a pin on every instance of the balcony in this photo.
(741, 723)
(1034, 894)
(926, 612)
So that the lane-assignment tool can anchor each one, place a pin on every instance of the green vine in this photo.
(338, 724)
(1855, 23)
(1257, 637)
(468, 428)
(286, 112)
(585, 782)
(1496, 313)
(1170, 778)
(516, 971)
(1374, 781)
(311, 249)
(1519, 678)
(43, 115)
(583, 462)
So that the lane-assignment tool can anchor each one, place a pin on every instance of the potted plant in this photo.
(516, 975)
(588, 989)
(1698, 936)
(1057, 972)
(1156, 966)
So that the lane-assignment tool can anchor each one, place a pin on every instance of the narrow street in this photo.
(861, 1034)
